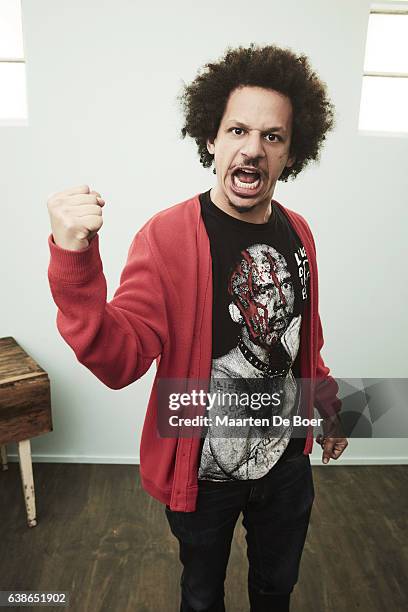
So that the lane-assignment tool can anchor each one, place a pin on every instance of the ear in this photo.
(210, 146)
(290, 162)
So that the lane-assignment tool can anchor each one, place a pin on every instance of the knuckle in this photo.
(51, 202)
(52, 196)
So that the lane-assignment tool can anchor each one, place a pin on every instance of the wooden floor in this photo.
(105, 541)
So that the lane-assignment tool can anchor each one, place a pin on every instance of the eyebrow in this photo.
(267, 131)
(285, 279)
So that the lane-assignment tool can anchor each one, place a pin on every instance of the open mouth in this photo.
(279, 324)
(246, 182)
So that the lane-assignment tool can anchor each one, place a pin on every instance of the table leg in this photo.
(26, 469)
(3, 452)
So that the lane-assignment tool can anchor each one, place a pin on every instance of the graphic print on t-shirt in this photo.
(262, 292)
(303, 266)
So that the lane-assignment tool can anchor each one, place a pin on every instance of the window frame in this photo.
(14, 122)
(390, 8)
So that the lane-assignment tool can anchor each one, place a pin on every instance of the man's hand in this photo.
(332, 447)
(332, 441)
(76, 217)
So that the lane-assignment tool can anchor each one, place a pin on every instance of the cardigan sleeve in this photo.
(116, 340)
(325, 387)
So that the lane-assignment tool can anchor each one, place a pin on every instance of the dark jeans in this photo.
(276, 511)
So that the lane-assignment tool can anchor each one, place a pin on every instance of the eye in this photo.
(263, 289)
(275, 136)
(237, 128)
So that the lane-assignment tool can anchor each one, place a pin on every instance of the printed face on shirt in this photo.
(262, 289)
(255, 131)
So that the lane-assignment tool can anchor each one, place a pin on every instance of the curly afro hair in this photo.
(204, 100)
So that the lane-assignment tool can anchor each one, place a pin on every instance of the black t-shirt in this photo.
(260, 286)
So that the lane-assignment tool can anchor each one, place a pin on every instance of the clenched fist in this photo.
(76, 217)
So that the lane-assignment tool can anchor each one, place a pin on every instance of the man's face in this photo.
(274, 297)
(263, 291)
(255, 131)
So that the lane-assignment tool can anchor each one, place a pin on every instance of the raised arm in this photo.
(115, 340)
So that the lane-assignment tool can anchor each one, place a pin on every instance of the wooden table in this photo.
(25, 411)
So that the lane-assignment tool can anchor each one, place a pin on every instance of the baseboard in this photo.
(77, 459)
(136, 460)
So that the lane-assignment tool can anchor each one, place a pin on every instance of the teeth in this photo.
(248, 186)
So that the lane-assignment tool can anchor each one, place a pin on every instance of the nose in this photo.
(278, 300)
(252, 146)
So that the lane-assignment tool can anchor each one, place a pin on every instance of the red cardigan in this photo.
(162, 310)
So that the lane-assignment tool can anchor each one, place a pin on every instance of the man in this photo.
(260, 115)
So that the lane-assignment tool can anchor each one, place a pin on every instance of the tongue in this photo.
(246, 177)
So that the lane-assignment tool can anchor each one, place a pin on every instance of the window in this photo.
(384, 96)
(13, 102)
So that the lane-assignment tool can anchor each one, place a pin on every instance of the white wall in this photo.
(103, 77)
